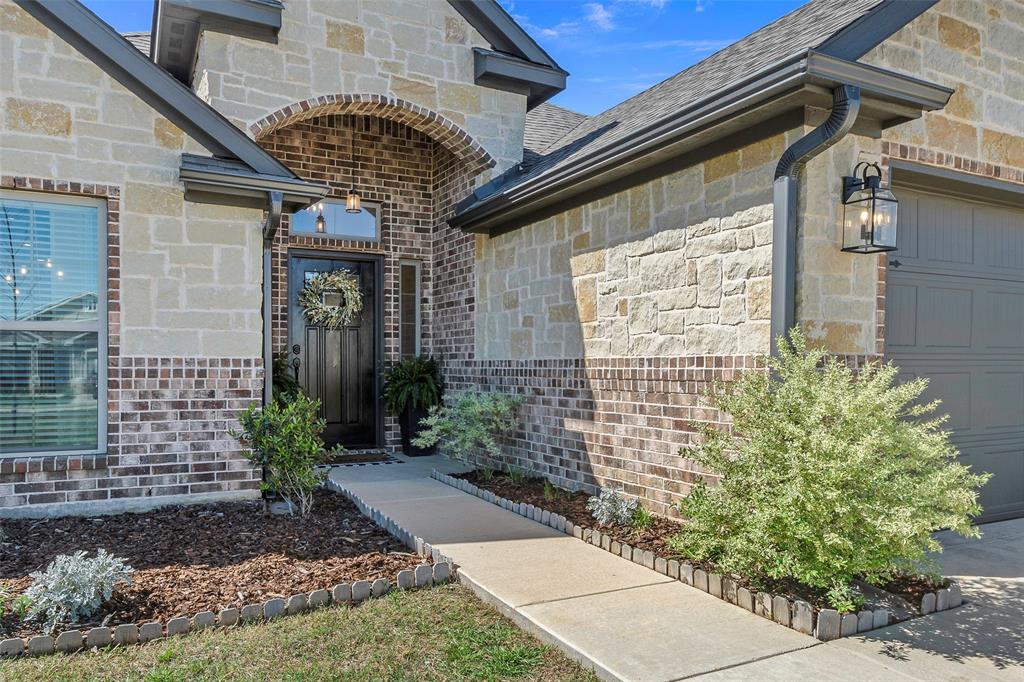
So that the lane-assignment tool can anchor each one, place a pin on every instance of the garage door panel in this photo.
(955, 314)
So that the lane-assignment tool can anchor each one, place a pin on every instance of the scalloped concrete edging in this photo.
(799, 615)
(441, 571)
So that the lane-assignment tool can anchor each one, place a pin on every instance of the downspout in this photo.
(275, 201)
(845, 107)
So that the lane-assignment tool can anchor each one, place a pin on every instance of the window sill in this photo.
(24, 464)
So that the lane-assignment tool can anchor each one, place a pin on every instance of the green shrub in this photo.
(74, 586)
(471, 425)
(284, 385)
(642, 519)
(828, 475)
(612, 506)
(284, 439)
(415, 382)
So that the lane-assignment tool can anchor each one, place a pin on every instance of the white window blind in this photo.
(52, 324)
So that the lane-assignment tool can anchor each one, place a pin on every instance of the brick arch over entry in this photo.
(428, 122)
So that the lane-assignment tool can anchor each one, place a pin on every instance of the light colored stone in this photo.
(942, 599)
(70, 640)
(341, 593)
(928, 603)
(745, 599)
(251, 612)
(227, 617)
(318, 598)
(273, 608)
(865, 621)
(424, 574)
(40, 645)
(700, 579)
(150, 631)
(715, 585)
(203, 620)
(955, 596)
(14, 646)
(686, 573)
(672, 569)
(442, 573)
(179, 626)
(848, 625)
(880, 618)
(781, 610)
(406, 579)
(361, 590)
(380, 587)
(803, 617)
(41, 118)
(828, 625)
(296, 603)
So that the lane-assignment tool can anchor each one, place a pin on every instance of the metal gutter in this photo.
(507, 72)
(862, 35)
(500, 30)
(503, 200)
(273, 222)
(846, 101)
(95, 39)
(210, 180)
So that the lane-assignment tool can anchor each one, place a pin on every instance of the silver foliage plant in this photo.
(612, 506)
(74, 586)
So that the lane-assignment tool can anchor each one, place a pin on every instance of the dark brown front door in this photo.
(337, 366)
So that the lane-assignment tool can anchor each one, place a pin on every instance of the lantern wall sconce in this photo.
(353, 204)
(321, 222)
(869, 212)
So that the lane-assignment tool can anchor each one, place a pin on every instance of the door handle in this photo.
(296, 363)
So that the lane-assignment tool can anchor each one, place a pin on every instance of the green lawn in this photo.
(443, 633)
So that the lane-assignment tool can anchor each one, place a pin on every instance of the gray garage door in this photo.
(955, 314)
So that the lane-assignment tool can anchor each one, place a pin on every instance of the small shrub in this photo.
(828, 475)
(516, 475)
(285, 440)
(844, 599)
(612, 507)
(486, 474)
(642, 519)
(553, 492)
(285, 386)
(74, 587)
(471, 425)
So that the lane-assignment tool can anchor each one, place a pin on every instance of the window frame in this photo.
(375, 239)
(100, 326)
(418, 268)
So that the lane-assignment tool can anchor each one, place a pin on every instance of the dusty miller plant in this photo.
(74, 586)
(611, 506)
(828, 474)
(284, 439)
(471, 425)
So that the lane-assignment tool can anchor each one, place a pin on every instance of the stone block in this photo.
(361, 590)
(673, 569)
(626, 552)
(744, 599)
(729, 590)
(803, 617)
(227, 617)
(577, 532)
(318, 598)
(428, 551)
(424, 575)
(341, 593)
(615, 547)
(442, 572)
(955, 597)
(273, 608)
(880, 618)
(545, 517)
(763, 603)
(648, 559)
(435, 555)
(715, 585)
(251, 612)
(942, 599)
(296, 603)
(150, 631)
(828, 625)
(40, 645)
(15, 646)
(848, 625)
(606, 542)
(406, 579)
(638, 556)
(71, 640)
(686, 573)
(181, 625)
(927, 603)
(660, 565)
(865, 621)
(97, 637)
(380, 587)
(203, 620)
(781, 610)
(700, 579)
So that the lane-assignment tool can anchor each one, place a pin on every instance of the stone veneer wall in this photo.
(974, 47)
(184, 284)
(420, 51)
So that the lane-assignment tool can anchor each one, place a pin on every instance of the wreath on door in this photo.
(332, 299)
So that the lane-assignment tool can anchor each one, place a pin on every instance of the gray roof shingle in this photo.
(140, 39)
(546, 124)
(806, 27)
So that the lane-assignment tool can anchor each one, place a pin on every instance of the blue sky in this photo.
(613, 49)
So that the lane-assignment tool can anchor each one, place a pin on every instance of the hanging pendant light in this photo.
(353, 204)
(321, 222)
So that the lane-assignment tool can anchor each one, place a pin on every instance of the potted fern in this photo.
(411, 387)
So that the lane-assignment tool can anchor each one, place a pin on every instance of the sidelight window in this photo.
(409, 308)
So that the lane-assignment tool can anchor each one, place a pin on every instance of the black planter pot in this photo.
(408, 423)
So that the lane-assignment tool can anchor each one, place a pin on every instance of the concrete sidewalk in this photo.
(630, 623)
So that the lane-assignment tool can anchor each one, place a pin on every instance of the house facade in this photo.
(607, 268)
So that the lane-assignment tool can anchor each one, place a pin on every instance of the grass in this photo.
(440, 634)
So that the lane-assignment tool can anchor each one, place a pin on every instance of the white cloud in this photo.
(599, 16)
(563, 29)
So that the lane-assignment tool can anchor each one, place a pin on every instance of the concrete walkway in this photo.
(630, 623)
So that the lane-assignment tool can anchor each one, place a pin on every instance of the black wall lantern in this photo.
(869, 212)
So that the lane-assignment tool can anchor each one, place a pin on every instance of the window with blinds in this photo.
(409, 308)
(52, 324)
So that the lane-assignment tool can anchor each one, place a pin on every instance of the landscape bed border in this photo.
(425, 575)
(799, 615)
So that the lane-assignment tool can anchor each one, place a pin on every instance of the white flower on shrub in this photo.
(74, 586)
(612, 506)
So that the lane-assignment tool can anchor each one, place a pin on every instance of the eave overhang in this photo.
(216, 181)
(505, 72)
(790, 87)
(178, 24)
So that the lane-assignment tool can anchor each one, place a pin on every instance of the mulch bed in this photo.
(573, 506)
(206, 557)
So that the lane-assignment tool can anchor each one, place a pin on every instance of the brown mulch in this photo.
(206, 557)
(913, 587)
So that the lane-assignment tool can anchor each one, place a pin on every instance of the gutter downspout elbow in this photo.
(845, 107)
(275, 201)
